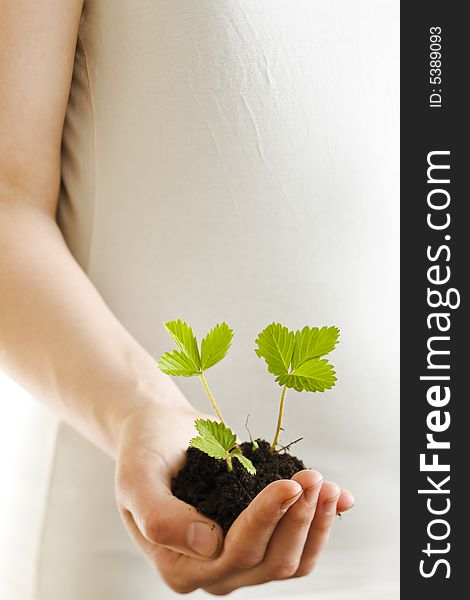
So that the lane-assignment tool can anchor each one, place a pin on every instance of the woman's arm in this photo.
(60, 341)
(57, 336)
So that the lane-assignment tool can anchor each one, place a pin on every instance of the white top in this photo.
(234, 160)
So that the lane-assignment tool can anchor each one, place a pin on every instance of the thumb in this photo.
(144, 491)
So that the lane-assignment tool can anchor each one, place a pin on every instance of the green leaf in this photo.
(183, 336)
(313, 342)
(276, 345)
(177, 363)
(314, 375)
(215, 345)
(223, 434)
(246, 462)
(211, 448)
(219, 441)
(294, 358)
(215, 439)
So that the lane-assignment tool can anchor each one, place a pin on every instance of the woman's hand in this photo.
(280, 535)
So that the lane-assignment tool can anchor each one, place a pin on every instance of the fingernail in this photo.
(290, 501)
(329, 506)
(311, 493)
(203, 539)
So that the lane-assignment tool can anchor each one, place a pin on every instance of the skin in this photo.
(61, 342)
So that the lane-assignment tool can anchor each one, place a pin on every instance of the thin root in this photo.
(290, 444)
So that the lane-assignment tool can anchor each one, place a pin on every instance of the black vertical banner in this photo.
(435, 267)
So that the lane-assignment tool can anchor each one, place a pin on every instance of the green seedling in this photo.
(296, 360)
(215, 439)
(218, 441)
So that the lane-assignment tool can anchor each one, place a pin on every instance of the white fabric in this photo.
(231, 160)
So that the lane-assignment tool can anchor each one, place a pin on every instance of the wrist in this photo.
(140, 402)
(142, 388)
(157, 429)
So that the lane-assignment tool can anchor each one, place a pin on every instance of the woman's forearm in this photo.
(58, 338)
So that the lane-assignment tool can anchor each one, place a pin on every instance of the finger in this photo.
(286, 545)
(346, 501)
(245, 543)
(247, 539)
(149, 549)
(169, 564)
(143, 488)
(320, 528)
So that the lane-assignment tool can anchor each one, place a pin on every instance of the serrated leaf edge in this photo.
(290, 371)
(180, 323)
(234, 451)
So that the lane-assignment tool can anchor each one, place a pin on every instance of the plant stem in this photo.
(211, 397)
(279, 420)
(229, 462)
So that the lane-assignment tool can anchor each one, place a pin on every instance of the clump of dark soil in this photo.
(206, 483)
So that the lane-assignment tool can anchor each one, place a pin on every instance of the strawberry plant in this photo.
(215, 439)
(220, 477)
(296, 360)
